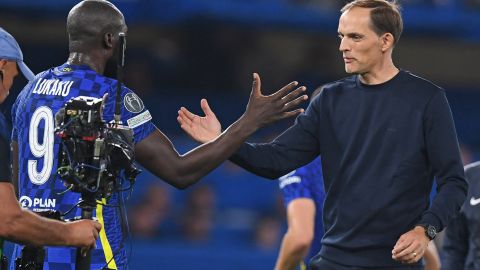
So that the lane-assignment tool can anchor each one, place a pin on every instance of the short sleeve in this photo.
(133, 114)
(294, 185)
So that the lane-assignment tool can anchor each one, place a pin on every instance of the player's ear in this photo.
(387, 41)
(3, 62)
(108, 40)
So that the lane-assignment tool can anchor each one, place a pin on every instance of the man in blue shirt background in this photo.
(303, 195)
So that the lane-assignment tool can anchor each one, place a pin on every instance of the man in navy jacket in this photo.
(383, 134)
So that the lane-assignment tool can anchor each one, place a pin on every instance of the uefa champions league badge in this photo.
(133, 103)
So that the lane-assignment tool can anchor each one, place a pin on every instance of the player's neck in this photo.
(380, 74)
(77, 58)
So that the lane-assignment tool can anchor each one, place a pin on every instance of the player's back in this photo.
(40, 188)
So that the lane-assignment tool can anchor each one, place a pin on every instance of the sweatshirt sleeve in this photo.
(444, 155)
(294, 148)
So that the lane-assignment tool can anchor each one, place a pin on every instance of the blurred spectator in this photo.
(151, 212)
(198, 217)
(268, 233)
(466, 154)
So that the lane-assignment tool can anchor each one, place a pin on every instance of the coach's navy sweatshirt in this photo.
(381, 146)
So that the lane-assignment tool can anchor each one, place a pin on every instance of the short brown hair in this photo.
(385, 16)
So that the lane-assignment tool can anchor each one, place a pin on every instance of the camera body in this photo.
(93, 154)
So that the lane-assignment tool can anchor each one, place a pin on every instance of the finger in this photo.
(402, 243)
(95, 234)
(399, 250)
(187, 113)
(406, 254)
(413, 258)
(295, 103)
(400, 240)
(184, 118)
(294, 94)
(206, 108)
(187, 129)
(97, 225)
(256, 85)
(180, 121)
(291, 113)
(285, 90)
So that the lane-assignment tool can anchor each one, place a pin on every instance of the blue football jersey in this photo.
(40, 188)
(307, 182)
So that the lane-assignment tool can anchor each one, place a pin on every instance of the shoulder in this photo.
(334, 88)
(344, 83)
(420, 85)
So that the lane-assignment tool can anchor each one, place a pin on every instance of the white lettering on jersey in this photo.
(37, 203)
(289, 180)
(52, 87)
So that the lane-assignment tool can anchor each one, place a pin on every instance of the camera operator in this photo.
(17, 224)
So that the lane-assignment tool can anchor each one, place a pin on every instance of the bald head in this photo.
(90, 21)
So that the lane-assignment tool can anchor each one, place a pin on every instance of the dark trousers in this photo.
(319, 263)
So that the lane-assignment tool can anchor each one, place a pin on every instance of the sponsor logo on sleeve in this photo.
(139, 119)
(289, 179)
(133, 103)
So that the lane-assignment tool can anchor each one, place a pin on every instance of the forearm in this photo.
(260, 159)
(445, 205)
(215, 152)
(26, 227)
(444, 157)
(157, 154)
(292, 149)
(291, 253)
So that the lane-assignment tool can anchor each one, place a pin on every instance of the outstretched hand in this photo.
(261, 110)
(201, 129)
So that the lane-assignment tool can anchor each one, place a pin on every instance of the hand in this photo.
(201, 129)
(262, 110)
(83, 233)
(411, 246)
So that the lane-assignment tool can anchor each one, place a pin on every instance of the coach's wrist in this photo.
(420, 232)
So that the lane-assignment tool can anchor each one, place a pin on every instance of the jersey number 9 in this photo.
(41, 150)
